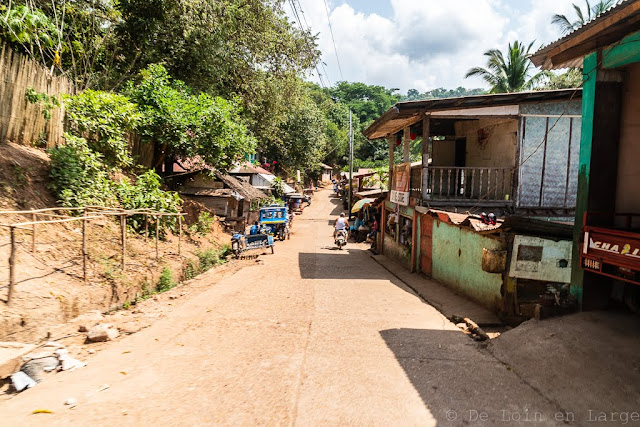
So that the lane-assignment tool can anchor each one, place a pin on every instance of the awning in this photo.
(371, 193)
(271, 178)
(357, 207)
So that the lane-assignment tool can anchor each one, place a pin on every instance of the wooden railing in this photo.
(468, 183)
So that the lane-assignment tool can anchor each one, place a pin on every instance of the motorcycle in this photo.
(341, 239)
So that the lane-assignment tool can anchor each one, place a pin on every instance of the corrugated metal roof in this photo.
(249, 168)
(621, 16)
(465, 220)
(407, 113)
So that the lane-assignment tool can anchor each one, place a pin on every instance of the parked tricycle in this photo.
(275, 220)
(297, 202)
(246, 242)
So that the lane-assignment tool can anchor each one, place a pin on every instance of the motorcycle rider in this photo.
(340, 224)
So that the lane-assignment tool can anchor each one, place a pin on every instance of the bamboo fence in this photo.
(20, 121)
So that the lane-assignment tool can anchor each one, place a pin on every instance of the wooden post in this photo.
(146, 226)
(157, 237)
(84, 247)
(179, 233)
(426, 134)
(12, 265)
(123, 232)
(392, 143)
(383, 229)
(414, 240)
(33, 232)
(406, 145)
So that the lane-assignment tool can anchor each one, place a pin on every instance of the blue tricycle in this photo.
(246, 242)
(276, 220)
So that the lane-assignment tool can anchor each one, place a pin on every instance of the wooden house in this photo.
(513, 152)
(228, 197)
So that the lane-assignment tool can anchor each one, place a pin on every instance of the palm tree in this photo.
(510, 75)
(583, 17)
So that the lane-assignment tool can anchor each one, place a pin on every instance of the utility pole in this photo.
(350, 164)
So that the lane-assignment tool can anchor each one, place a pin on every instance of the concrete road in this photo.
(309, 336)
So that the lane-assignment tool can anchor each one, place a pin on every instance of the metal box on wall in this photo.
(541, 259)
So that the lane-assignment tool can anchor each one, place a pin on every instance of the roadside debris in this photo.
(475, 329)
(22, 381)
(71, 402)
(102, 333)
(51, 357)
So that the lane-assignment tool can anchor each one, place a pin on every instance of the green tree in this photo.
(229, 48)
(367, 103)
(302, 142)
(30, 29)
(104, 120)
(73, 37)
(510, 74)
(582, 17)
(181, 123)
(568, 80)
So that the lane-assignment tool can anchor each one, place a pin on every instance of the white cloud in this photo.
(429, 43)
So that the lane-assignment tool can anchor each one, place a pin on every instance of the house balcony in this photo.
(468, 186)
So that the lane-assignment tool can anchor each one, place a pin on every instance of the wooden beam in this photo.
(392, 143)
(426, 141)
(406, 145)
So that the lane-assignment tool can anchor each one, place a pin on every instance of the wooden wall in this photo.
(20, 121)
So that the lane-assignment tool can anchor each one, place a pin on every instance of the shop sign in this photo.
(401, 185)
(611, 245)
(400, 197)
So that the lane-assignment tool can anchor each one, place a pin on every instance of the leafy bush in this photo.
(277, 188)
(208, 259)
(212, 257)
(224, 252)
(166, 281)
(104, 119)
(147, 194)
(205, 221)
(190, 270)
(46, 102)
(78, 176)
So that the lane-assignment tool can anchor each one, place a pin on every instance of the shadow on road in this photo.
(457, 382)
(347, 264)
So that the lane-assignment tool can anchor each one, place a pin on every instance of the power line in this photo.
(304, 17)
(335, 49)
(299, 21)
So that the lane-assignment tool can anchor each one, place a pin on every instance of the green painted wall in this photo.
(457, 263)
(584, 167)
(625, 52)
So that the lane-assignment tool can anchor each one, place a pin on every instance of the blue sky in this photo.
(424, 44)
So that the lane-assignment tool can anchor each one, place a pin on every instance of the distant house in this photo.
(226, 196)
(257, 176)
(326, 173)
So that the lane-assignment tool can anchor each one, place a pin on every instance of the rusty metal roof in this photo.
(465, 220)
